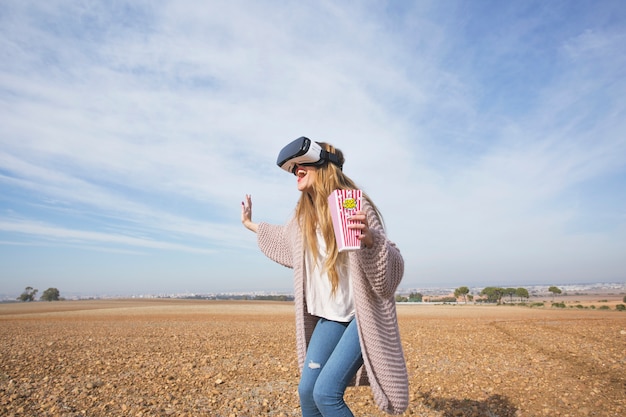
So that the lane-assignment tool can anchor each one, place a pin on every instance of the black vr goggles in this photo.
(304, 151)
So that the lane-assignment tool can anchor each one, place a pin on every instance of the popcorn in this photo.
(343, 204)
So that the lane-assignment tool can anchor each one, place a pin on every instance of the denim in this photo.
(333, 357)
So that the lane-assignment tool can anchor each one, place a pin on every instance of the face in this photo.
(306, 176)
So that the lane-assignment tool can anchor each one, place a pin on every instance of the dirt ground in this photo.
(222, 359)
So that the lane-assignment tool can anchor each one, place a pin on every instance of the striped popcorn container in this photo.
(342, 204)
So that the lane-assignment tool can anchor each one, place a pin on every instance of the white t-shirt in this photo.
(320, 300)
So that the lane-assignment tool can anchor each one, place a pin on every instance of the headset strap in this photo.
(331, 157)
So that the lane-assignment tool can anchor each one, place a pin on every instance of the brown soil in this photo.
(208, 358)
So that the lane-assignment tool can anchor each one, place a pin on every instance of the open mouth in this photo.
(300, 173)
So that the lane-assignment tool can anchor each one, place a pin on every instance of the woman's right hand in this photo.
(246, 214)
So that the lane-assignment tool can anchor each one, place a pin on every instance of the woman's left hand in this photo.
(359, 221)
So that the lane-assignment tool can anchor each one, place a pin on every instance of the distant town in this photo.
(427, 294)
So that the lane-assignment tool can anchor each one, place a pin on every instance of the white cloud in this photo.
(80, 236)
(148, 123)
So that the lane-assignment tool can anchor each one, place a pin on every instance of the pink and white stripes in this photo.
(343, 204)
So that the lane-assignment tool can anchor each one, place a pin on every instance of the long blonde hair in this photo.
(312, 213)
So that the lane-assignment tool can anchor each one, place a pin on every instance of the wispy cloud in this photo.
(489, 134)
(71, 236)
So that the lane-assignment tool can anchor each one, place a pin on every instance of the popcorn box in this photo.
(342, 204)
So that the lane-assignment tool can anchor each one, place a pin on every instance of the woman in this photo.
(346, 325)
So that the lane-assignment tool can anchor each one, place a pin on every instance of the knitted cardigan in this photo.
(375, 273)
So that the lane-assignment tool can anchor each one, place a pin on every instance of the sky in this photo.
(491, 135)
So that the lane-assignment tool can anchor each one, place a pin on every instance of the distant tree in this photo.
(401, 299)
(28, 294)
(522, 293)
(494, 294)
(51, 294)
(416, 297)
(624, 299)
(554, 290)
(510, 292)
(462, 291)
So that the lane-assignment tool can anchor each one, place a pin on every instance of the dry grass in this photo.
(191, 358)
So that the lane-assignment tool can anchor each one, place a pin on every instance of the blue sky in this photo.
(490, 134)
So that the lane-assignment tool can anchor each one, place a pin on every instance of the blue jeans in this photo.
(332, 359)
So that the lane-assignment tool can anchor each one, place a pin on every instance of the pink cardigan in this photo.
(376, 273)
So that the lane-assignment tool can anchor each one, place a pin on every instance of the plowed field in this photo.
(221, 359)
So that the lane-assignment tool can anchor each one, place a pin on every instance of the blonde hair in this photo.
(312, 213)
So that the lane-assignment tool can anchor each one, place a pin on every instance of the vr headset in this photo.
(304, 151)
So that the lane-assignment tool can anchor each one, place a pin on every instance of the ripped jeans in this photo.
(332, 359)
